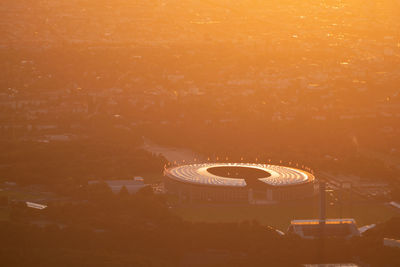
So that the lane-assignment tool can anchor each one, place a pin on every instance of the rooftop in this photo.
(229, 174)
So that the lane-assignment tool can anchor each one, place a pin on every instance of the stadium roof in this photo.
(275, 175)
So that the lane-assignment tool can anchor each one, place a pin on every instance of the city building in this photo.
(132, 186)
(329, 228)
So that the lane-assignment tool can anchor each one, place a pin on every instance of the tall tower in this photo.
(322, 204)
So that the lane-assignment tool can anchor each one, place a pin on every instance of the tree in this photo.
(124, 193)
(145, 191)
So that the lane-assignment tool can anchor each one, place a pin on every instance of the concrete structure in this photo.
(238, 182)
(325, 228)
(331, 265)
(313, 229)
(131, 185)
(34, 205)
(388, 242)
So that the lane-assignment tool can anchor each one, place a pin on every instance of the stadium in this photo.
(238, 182)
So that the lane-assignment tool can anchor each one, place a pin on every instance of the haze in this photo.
(199, 133)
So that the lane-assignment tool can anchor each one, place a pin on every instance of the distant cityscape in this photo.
(199, 133)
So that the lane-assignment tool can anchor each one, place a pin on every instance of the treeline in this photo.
(140, 230)
(31, 162)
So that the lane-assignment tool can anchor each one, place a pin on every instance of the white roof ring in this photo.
(274, 175)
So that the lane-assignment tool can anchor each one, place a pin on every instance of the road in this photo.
(172, 154)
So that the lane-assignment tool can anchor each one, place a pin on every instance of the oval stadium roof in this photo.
(199, 174)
